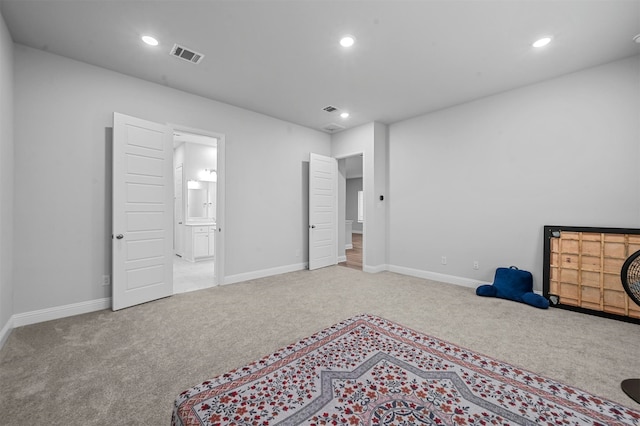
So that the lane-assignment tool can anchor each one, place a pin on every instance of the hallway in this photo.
(354, 255)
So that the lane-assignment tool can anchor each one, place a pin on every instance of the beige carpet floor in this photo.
(126, 367)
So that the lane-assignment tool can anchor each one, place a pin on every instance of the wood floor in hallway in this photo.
(354, 255)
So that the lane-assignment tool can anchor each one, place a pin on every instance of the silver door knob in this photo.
(119, 236)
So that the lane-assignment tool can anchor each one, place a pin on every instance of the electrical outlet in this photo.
(298, 253)
(443, 260)
(476, 264)
(106, 280)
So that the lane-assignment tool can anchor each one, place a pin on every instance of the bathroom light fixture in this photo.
(208, 175)
(347, 41)
(193, 184)
(151, 41)
(344, 114)
(542, 42)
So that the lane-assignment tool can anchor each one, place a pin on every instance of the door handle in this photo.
(312, 226)
(119, 236)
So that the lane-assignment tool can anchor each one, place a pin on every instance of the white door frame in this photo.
(178, 238)
(220, 196)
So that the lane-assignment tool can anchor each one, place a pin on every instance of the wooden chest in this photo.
(582, 268)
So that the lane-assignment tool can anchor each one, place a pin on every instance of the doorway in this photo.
(144, 193)
(353, 207)
(198, 209)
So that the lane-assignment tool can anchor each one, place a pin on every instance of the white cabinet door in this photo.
(200, 244)
(142, 246)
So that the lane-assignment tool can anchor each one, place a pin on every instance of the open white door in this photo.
(142, 244)
(323, 211)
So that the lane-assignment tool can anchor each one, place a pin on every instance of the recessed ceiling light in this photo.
(347, 41)
(150, 40)
(344, 114)
(542, 42)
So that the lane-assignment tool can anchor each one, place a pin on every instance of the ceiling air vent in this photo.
(186, 54)
(330, 108)
(332, 127)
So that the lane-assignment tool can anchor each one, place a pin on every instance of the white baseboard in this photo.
(342, 259)
(449, 279)
(435, 276)
(375, 269)
(57, 312)
(232, 279)
(356, 231)
(348, 246)
(6, 332)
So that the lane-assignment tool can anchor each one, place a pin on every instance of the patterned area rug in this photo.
(370, 371)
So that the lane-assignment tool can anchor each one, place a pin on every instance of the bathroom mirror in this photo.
(201, 201)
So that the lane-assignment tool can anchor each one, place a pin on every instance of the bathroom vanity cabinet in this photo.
(199, 242)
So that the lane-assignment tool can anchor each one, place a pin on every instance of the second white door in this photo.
(323, 211)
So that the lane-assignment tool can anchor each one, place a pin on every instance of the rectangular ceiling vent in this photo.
(332, 127)
(330, 108)
(186, 54)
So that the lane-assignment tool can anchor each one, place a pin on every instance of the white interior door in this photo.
(323, 211)
(142, 242)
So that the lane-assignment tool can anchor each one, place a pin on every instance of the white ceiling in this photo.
(282, 58)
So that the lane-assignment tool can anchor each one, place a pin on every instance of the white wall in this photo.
(479, 181)
(63, 112)
(353, 186)
(370, 140)
(377, 226)
(6, 179)
(197, 158)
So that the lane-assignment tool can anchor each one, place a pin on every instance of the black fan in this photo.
(630, 276)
